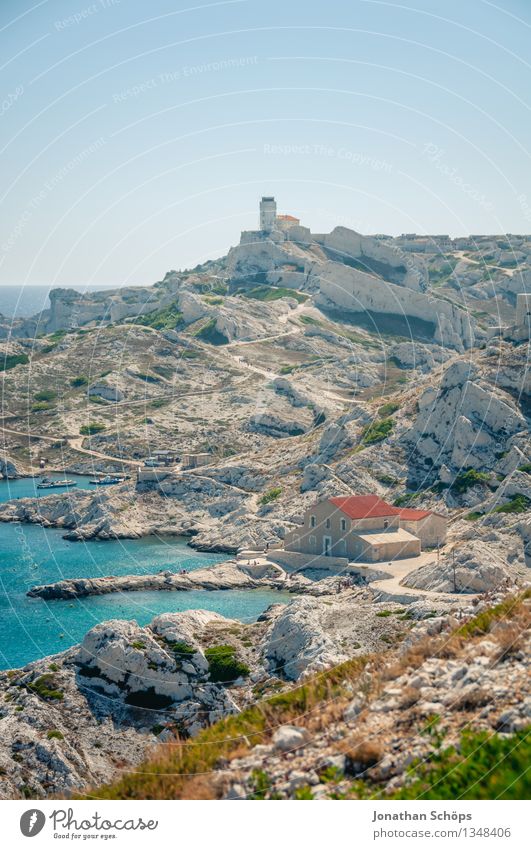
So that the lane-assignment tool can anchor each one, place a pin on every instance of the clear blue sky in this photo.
(138, 136)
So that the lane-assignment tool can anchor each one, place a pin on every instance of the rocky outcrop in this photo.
(222, 576)
(385, 260)
(106, 391)
(463, 423)
(80, 717)
(157, 669)
(344, 288)
(271, 425)
(297, 643)
(474, 569)
(370, 738)
(8, 470)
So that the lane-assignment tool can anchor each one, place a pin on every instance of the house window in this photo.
(312, 542)
(312, 521)
(328, 523)
(386, 524)
(343, 524)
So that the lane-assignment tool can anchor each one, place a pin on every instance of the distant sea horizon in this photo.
(24, 301)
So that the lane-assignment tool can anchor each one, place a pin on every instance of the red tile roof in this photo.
(411, 513)
(288, 218)
(372, 506)
(363, 506)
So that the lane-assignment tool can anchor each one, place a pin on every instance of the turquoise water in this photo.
(34, 628)
(27, 487)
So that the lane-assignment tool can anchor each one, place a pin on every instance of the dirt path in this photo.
(74, 442)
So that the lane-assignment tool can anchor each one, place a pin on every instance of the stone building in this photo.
(268, 214)
(365, 528)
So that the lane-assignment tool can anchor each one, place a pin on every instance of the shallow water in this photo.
(30, 554)
(27, 487)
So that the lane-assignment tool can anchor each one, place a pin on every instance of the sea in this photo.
(30, 555)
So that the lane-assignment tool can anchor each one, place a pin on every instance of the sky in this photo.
(138, 137)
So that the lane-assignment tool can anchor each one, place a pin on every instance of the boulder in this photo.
(8, 470)
(297, 643)
(287, 738)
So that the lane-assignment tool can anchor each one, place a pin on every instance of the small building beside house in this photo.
(365, 528)
(193, 461)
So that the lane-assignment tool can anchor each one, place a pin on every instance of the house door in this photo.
(327, 546)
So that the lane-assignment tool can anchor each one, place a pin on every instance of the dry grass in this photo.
(361, 753)
(186, 769)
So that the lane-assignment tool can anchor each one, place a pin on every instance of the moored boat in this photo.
(48, 483)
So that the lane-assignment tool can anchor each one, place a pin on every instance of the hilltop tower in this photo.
(268, 213)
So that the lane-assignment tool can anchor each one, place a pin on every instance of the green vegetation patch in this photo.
(376, 431)
(467, 479)
(168, 318)
(45, 687)
(46, 395)
(81, 380)
(182, 649)
(481, 767)
(519, 503)
(54, 734)
(91, 429)
(223, 665)
(12, 360)
(274, 293)
(388, 409)
(407, 498)
(270, 496)
(209, 333)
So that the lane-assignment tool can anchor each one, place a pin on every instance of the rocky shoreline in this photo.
(229, 575)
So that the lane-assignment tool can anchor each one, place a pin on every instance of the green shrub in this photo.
(168, 318)
(407, 498)
(223, 666)
(270, 496)
(92, 428)
(46, 395)
(137, 644)
(79, 381)
(467, 479)
(45, 687)
(526, 468)
(182, 649)
(54, 734)
(209, 333)
(11, 360)
(40, 407)
(484, 766)
(376, 431)
(388, 409)
(519, 503)
(473, 516)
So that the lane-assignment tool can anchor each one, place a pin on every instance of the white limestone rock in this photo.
(100, 389)
(297, 644)
(8, 470)
(477, 570)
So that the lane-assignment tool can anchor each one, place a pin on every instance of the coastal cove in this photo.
(33, 628)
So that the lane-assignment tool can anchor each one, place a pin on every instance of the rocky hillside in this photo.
(445, 715)
(384, 672)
